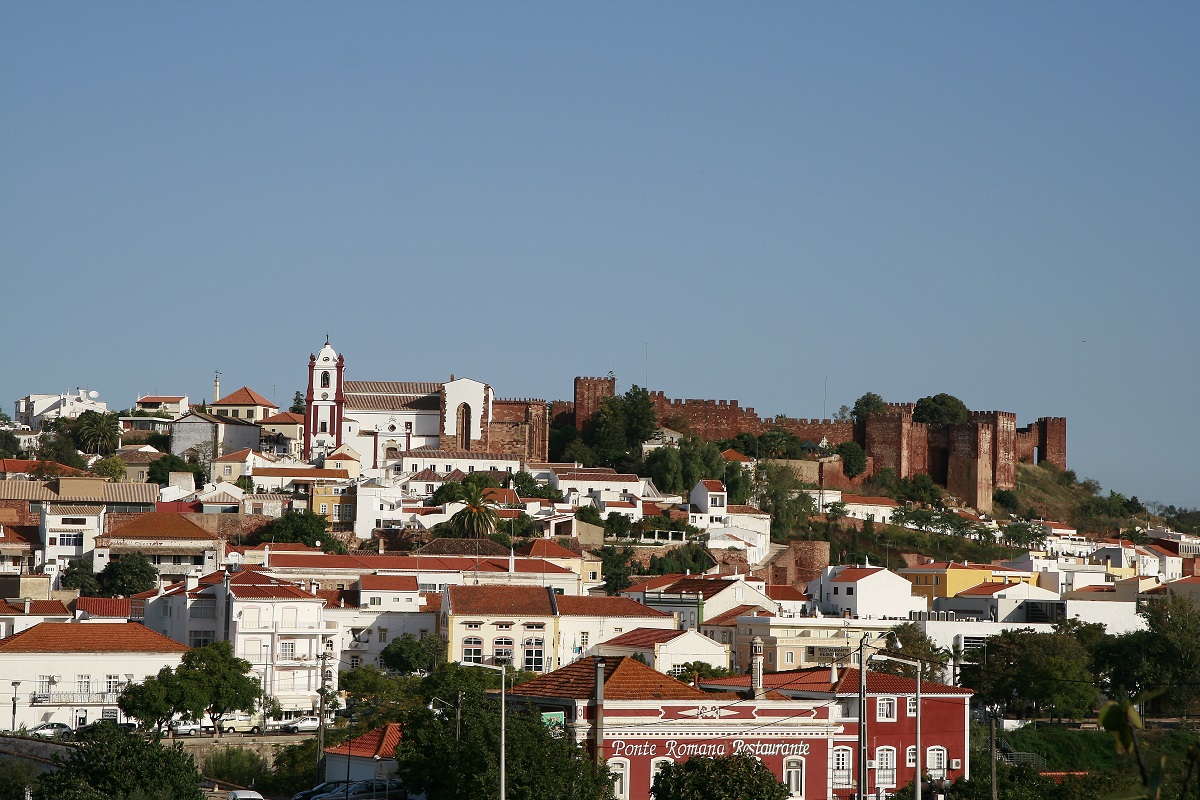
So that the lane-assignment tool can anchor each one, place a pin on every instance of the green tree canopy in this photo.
(161, 468)
(739, 482)
(222, 678)
(159, 698)
(854, 458)
(941, 409)
(304, 527)
(10, 445)
(1047, 671)
(298, 405)
(60, 448)
(477, 518)
(128, 574)
(781, 497)
(616, 564)
(732, 777)
(915, 646)
(111, 467)
(79, 576)
(870, 403)
(98, 433)
(408, 654)
(119, 766)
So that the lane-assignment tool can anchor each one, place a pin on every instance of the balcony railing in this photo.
(73, 698)
(885, 777)
(843, 778)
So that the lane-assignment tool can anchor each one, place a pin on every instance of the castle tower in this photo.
(324, 402)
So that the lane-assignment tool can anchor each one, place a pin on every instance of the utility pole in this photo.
(323, 657)
(458, 718)
(993, 716)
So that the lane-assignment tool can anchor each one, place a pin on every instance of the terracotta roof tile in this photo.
(852, 574)
(985, 589)
(37, 608)
(624, 679)
(868, 500)
(653, 584)
(237, 455)
(25, 466)
(91, 637)
(734, 455)
(380, 742)
(244, 396)
(816, 680)
(644, 637)
(590, 606)
(714, 486)
(119, 607)
(609, 477)
(388, 583)
(545, 548)
(301, 472)
(283, 418)
(784, 591)
(730, 617)
(159, 525)
(530, 601)
(740, 508)
(161, 398)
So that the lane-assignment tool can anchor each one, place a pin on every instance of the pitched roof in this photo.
(159, 525)
(37, 608)
(644, 637)
(589, 606)
(136, 493)
(77, 510)
(283, 418)
(425, 475)
(624, 679)
(91, 637)
(852, 574)
(714, 486)
(730, 617)
(816, 679)
(244, 396)
(868, 500)
(380, 742)
(653, 584)
(278, 591)
(785, 591)
(605, 477)
(545, 548)
(237, 455)
(301, 472)
(341, 457)
(741, 508)
(444, 546)
(370, 563)
(24, 465)
(500, 600)
(119, 607)
(388, 583)
(734, 455)
(985, 589)
(705, 587)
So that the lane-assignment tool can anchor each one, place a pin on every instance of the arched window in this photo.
(793, 776)
(910, 757)
(534, 655)
(885, 767)
(464, 426)
(472, 650)
(502, 650)
(324, 380)
(656, 766)
(935, 762)
(618, 768)
(843, 767)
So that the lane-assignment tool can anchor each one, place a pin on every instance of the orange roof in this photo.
(705, 587)
(370, 563)
(237, 455)
(598, 476)
(341, 457)
(91, 637)
(159, 525)
(301, 472)
(653, 583)
(545, 548)
(119, 607)
(24, 465)
(784, 591)
(730, 617)
(589, 606)
(645, 637)
(816, 680)
(852, 574)
(741, 508)
(734, 455)
(713, 486)
(1058, 526)
(280, 591)
(244, 396)
(531, 601)
(868, 500)
(283, 418)
(388, 583)
(985, 588)
(624, 679)
(37, 608)
(380, 742)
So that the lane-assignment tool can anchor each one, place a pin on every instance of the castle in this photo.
(970, 460)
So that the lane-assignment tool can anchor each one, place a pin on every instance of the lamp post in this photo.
(920, 665)
(15, 685)
(862, 717)
(502, 668)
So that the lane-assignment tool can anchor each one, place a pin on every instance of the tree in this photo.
(161, 468)
(159, 698)
(222, 678)
(732, 777)
(854, 458)
(1024, 534)
(834, 512)
(692, 557)
(616, 565)
(941, 409)
(375, 698)
(539, 765)
(15, 777)
(477, 519)
(1174, 647)
(298, 404)
(127, 575)
(699, 460)
(10, 445)
(238, 765)
(99, 433)
(245, 483)
(525, 485)
(870, 403)
(304, 527)
(739, 483)
(665, 466)
(618, 525)
(589, 514)
(59, 448)
(112, 468)
(1046, 671)
(115, 765)
(408, 654)
(79, 576)
(782, 498)
(915, 646)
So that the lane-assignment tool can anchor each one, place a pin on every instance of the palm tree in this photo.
(478, 517)
(958, 654)
(98, 432)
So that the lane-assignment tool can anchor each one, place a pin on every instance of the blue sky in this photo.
(998, 201)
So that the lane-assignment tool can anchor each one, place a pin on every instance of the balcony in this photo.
(73, 698)
(885, 778)
(843, 778)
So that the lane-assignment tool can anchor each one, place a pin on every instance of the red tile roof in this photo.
(341, 457)
(705, 587)
(24, 466)
(532, 601)
(868, 500)
(282, 591)
(624, 679)
(301, 472)
(590, 606)
(853, 574)
(366, 563)
(644, 637)
(985, 589)
(545, 548)
(784, 591)
(159, 525)
(388, 583)
(37, 608)
(90, 638)
(283, 418)
(741, 508)
(714, 486)
(500, 496)
(433, 601)
(119, 607)
(816, 680)
(734, 455)
(730, 617)
(599, 477)
(245, 396)
(380, 742)
(237, 455)
(653, 584)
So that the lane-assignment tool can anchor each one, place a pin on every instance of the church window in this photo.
(324, 380)
(324, 427)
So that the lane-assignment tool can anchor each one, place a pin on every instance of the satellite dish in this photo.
(93, 394)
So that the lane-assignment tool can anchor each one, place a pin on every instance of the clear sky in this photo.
(729, 200)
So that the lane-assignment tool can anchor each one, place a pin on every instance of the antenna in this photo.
(825, 400)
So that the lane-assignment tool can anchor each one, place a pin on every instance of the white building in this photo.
(667, 650)
(864, 592)
(35, 409)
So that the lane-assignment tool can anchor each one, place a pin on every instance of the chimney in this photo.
(512, 561)
(756, 668)
(266, 556)
(28, 604)
(598, 702)
(833, 676)
(190, 581)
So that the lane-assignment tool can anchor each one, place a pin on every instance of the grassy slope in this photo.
(1069, 749)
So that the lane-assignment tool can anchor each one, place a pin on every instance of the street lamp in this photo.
(862, 717)
(502, 668)
(15, 685)
(920, 665)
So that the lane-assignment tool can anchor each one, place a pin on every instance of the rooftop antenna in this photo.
(825, 400)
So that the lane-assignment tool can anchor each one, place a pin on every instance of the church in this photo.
(385, 421)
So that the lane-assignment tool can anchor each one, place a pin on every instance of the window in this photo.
(83, 684)
(324, 427)
(788, 657)
(793, 776)
(227, 469)
(472, 650)
(534, 655)
(583, 639)
(885, 767)
(203, 611)
(74, 521)
(618, 768)
(234, 413)
(473, 626)
(910, 757)
(324, 380)
(375, 601)
(717, 501)
(885, 709)
(201, 638)
(935, 762)
(287, 650)
(70, 540)
(656, 766)
(383, 635)
(112, 684)
(843, 767)
(324, 508)
(502, 650)
(912, 706)
(535, 626)
(43, 684)
(355, 662)
(849, 590)
(504, 626)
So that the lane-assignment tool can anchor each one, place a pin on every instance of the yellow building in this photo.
(335, 501)
(948, 578)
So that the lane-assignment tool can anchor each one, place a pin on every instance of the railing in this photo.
(73, 698)
(843, 778)
(885, 777)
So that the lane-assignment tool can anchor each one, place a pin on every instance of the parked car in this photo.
(243, 794)
(324, 788)
(185, 727)
(240, 725)
(302, 725)
(49, 730)
(86, 730)
(367, 790)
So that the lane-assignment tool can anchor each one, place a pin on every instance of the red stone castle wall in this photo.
(590, 393)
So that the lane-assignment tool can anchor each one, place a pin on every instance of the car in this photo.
(367, 790)
(240, 726)
(49, 730)
(324, 788)
(243, 794)
(186, 727)
(302, 725)
(86, 730)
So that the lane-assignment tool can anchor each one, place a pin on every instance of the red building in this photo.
(803, 728)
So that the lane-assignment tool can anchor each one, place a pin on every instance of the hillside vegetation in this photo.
(1047, 492)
